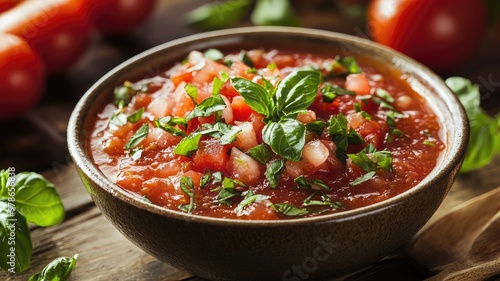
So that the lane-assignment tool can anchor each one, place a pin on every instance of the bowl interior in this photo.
(151, 63)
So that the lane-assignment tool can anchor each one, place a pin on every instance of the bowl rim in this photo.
(448, 164)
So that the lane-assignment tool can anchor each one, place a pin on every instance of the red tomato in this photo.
(21, 76)
(211, 155)
(120, 15)
(7, 4)
(440, 34)
(57, 29)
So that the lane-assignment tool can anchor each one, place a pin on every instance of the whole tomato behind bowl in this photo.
(21, 76)
(440, 34)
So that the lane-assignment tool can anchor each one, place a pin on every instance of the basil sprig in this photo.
(59, 269)
(371, 160)
(294, 94)
(342, 136)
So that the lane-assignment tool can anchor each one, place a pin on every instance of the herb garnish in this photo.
(329, 92)
(303, 183)
(371, 160)
(171, 125)
(325, 201)
(139, 136)
(289, 209)
(250, 198)
(228, 191)
(342, 137)
(187, 186)
(273, 172)
(260, 152)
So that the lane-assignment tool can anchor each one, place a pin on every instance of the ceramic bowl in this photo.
(295, 249)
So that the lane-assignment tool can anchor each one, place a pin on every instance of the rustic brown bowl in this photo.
(296, 249)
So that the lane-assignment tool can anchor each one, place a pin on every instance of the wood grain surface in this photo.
(37, 142)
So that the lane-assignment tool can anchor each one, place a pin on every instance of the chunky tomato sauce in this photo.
(266, 134)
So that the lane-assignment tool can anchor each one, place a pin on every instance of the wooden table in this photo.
(37, 142)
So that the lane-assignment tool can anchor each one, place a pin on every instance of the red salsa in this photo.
(267, 134)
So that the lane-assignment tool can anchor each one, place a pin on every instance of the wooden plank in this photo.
(104, 254)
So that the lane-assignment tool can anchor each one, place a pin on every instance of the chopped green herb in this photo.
(136, 116)
(349, 64)
(316, 127)
(272, 66)
(341, 137)
(363, 178)
(187, 186)
(139, 136)
(123, 94)
(228, 191)
(224, 132)
(357, 108)
(261, 153)
(192, 91)
(289, 209)
(330, 92)
(246, 59)
(303, 183)
(207, 107)
(273, 172)
(170, 124)
(188, 145)
(250, 198)
(205, 179)
(217, 85)
(325, 201)
(369, 159)
(217, 177)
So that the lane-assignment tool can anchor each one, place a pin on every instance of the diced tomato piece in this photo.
(208, 72)
(258, 125)
(182, 74)
(283, 61)
(195, 176)
(240, 69)
(183, 107)
(142, 100)
(211, 155)
(241, 110)
(228, 90)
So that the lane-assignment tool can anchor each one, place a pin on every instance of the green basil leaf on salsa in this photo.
(58, 270)
(222, 131)
(191, 91)
(330, 92)
(325, 201)
(217, 85)
(250, 198)
(370, 160)
(289, 209)
(170, 125)
(123, 94)
(286, 138)
(256, 96)
(228, 191)
(136, 116)
(349, 63)
(246, 59)
(37, 199)
(316, 127)
(363, 178)
(16, 252)
(273, 172)
(207, 107)
(186, 184)
(306, 184)
(139, 136)
(213, 54)
(260, 152)
(188, 145)
(297, 91)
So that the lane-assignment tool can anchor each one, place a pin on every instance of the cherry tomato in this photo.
(120, 15)
(21, 76)
(441, 34)
(7, 4)
(57, 29)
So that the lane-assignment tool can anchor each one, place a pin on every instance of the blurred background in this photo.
(452, 37)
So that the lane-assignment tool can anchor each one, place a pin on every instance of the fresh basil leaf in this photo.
(224, 132)
(192, 91)
(325, 201)
(260, 152)
(268, 86)
(286, 138)
(136, 116)
(274, 12)
(37, 199)
(391, 123)
(169, 124)
(123, 94)
(297, 91)
(205, 179)
(484, 139)
(273, 172)
(250, 198)
(228, 191)
(256, 96)
(58, 270)
(370, 160)
(207, 107)
(363, 178)
(16, 252)
(330, 92)
(349, 63)
(187, 186)
(139, 136)
(303, 183)
(218, 15)
(342, 137)
(217, 85)
(358, 109)
(188, 145)
(289, 209)
(213, 54)
(246, 59)
(385, 95)
(119, 119)
(316, 127)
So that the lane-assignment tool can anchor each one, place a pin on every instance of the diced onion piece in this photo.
(306, 117)
(315, 153)
(358, 83)
(159, 107)
(244, 167)
(247, 138)
(195, 57)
